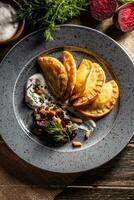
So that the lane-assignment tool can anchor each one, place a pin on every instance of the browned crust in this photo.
(107, 107)
(89, 97)
(55, 73)
(83, 72)
(71, 70)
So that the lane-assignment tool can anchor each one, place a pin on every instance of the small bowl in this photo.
(17, 6)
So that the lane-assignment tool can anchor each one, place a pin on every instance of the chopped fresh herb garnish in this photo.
(56, 132)
(53, 125)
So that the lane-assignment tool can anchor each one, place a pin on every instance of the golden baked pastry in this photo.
(70, 67)
(55, 74)
(83, 72)
(104, 102)
(93, 87)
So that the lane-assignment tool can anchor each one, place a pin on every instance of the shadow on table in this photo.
(19, 172)
(114, 33)
(99, 183)
(105, 26)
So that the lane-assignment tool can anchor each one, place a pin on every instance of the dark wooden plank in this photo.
(117, 172)
(96, 194)
(15, 171)
(27, 193)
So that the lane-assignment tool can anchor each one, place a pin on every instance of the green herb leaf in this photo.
(56, 132)
(47, 14)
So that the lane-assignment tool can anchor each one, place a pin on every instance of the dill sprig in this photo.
(56, 132)
(48, 14)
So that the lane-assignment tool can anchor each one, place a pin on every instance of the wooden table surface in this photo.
(113, 181)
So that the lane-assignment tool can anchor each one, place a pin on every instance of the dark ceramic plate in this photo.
(113, 131)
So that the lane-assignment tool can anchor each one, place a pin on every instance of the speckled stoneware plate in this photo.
(113, 131)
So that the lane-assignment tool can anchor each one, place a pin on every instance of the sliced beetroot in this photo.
(124, 17)
(102, 9)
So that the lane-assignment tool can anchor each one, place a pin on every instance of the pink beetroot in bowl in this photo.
(124, 17)
(102, 9)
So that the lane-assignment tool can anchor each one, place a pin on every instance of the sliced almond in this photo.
(76, 144)
(76, 120)
(88, 134)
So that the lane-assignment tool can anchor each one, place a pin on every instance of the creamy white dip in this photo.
(34, 99)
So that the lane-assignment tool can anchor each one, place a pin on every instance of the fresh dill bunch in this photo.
(59, 11)
(48, 14)
(33, 10)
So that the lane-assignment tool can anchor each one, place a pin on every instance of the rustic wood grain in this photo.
(119, 172)
(27, 193)
(96, 194)
(15, 171)
(19, 180)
